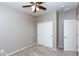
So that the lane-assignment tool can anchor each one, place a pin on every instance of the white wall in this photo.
(17, 30)
(50, 17)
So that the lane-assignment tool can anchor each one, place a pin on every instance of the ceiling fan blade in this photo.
(26, 6)
(39, 2)
(41, 7)
(36, 2)
(31, 2)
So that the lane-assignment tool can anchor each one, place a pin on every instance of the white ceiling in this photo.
(51, 6)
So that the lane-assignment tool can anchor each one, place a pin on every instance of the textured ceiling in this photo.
(51, 6)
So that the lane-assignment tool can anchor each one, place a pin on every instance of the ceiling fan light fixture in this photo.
(37, 8)
(33, 7)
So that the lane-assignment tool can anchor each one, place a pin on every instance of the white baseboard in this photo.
(60, 47)
(78, 53)
(48, 47)
(20, 49)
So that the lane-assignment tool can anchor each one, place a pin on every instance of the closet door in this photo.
(45, 33)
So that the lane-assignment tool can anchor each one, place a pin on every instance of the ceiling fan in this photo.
(35, 6)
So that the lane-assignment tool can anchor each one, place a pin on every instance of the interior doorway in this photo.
(70, 35)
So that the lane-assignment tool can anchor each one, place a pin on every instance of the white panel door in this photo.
(70, 35)
(44, 33)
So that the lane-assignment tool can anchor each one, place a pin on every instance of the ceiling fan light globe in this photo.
(33, 7)
(37, 9)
